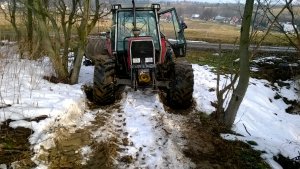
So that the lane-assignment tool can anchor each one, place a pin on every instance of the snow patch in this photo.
(260, 118)
(85, 152)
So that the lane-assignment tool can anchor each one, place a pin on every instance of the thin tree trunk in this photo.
(13, 21)
(51, 49)
(85, 28)
(82, 32)
(29, 25)
(239, 92)
(67, 25)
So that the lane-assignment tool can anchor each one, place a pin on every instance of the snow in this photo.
(269, 58)
(85, 152)
(261, 118)
(144, 120)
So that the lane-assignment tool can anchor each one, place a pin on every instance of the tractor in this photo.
(136, 52)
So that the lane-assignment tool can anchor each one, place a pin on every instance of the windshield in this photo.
(145, 22)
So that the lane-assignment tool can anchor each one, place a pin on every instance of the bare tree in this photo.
(292, 35)
(244, 70)
(261, 15)
(50, 40)
(29, 25)
(83, 29)
(54, 27)
(67, 21)
(11, 15)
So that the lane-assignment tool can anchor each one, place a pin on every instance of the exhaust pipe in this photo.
(135, 30)
(134, 15)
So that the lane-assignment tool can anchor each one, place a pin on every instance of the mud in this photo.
(197, 135)
(14, 146)
(207, 149)
(68, 150)
(276, 68)
(66, 153)
(201, 140)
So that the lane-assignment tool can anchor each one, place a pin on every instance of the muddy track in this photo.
(152, 136)
(138, 131)
(134, 132)
(93, 146)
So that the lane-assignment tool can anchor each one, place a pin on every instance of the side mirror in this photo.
(183, 25)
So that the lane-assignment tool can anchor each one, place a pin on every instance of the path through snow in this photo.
(153, 134)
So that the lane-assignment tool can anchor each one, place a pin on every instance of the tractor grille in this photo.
(142, 51)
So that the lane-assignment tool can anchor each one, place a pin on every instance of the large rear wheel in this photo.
(104, 73)
(180, 94)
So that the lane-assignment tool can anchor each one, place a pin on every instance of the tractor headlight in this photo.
(136, 60)
(148, 60)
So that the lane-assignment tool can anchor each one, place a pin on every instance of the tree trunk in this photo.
(13, 21)
(85, 28)
(52, 49)
(83, 33)
(244, 74)
(29, 25)
(67, 22)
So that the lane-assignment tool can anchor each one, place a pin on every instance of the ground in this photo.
(200, 141)
(59, 127)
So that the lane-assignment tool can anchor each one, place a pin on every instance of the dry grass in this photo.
(197, 30)
(215, 32)
(212, 31)
(276, 10)
(205, 31)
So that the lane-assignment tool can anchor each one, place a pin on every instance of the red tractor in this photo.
(138, 54)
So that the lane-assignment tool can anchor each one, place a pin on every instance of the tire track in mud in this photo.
(135, 132)
(91, 146)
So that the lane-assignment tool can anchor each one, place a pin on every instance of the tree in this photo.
(85, 27)
(54, 27)
(11, 15)
(238, 94)
(208, 13)
(29, 25)
(289, 10)
(50, 40)
(14, 13)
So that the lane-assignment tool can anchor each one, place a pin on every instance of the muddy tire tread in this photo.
(180, 94)
(103, 90)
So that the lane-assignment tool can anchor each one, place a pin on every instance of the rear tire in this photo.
(103, 90)
(180, 94)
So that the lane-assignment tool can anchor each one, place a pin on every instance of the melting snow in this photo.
(147, 123)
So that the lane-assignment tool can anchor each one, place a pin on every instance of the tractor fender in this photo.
(96, 46)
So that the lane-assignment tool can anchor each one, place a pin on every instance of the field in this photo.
(197, 30)
(215, 32)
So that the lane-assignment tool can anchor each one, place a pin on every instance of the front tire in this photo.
(103, 90)
(180, 94)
